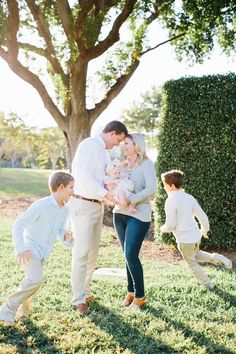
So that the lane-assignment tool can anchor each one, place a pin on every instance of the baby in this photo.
(116, 175)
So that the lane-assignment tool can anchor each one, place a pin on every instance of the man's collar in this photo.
(101, 140)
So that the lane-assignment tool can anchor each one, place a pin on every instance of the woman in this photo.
(132, 227)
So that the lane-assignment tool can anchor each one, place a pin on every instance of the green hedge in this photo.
(198, 136)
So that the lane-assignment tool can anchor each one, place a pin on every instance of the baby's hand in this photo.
(132, 208)
(68, 238)
(24, 257)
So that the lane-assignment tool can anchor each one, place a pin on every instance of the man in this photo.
(88, 169)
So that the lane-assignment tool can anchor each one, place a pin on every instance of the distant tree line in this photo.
(29, 147)
(143, 115)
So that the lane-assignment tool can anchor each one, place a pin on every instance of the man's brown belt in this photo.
(88, 199)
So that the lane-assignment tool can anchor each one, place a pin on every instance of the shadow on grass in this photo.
(125, 335)
(197, 337)
(25, 338)
(229, 299)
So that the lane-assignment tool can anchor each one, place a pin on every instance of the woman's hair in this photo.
(140, 146)
(57, 178)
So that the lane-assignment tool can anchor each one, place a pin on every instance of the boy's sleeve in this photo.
(201, 216)
(62, 229)
(25, 220)
(170, 212)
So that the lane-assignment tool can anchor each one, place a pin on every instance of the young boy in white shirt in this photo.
(181, 209)
(34, 234)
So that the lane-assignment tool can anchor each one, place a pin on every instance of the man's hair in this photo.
(175, 177)
(58, 178)
(116, 126)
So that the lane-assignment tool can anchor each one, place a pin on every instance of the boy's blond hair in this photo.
(59, 178)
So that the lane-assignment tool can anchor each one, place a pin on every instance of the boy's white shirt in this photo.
(39, 226)
(181, 209)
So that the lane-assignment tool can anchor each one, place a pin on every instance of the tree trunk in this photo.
(78, 129)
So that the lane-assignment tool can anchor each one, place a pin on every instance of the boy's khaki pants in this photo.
(192, 255)
(20, 300)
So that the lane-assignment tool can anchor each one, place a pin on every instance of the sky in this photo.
(155, 68)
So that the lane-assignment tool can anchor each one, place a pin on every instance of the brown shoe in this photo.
(128, 299)
(90, 299)
(137, 303)
(83, 308)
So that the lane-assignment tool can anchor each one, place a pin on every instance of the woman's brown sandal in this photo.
(128, 299)
(137, 303)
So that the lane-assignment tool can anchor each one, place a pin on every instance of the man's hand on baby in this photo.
(112, 185)
(24, 257)
(109, 196)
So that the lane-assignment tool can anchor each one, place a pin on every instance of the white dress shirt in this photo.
(181, 209)
(39, 226)
(88, 168)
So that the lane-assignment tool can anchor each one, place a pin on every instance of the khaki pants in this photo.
(21, 298)
(192, 255)
(86, 220)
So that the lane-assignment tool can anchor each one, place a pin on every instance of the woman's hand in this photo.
(124, 203)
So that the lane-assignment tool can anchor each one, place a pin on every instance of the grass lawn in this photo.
(181, 317)
(22, 182)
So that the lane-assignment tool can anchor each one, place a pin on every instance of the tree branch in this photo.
(113, 35)
(13, 22)
(33, 80)
(113, 92)
(32, 48)
(4, 54)
(64, 12)
(158, 45)
(86, 6)
(44, 32)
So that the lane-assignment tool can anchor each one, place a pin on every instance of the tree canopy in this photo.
(25, 146)
(52, 45)
(143, 115)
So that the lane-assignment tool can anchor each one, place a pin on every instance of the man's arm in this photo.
(83, 169)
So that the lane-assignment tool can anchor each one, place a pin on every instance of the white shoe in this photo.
(21, 316)
(209, 285)
(226, 262)
(6, 320)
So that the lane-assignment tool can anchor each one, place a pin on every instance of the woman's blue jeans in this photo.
(131, 233)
